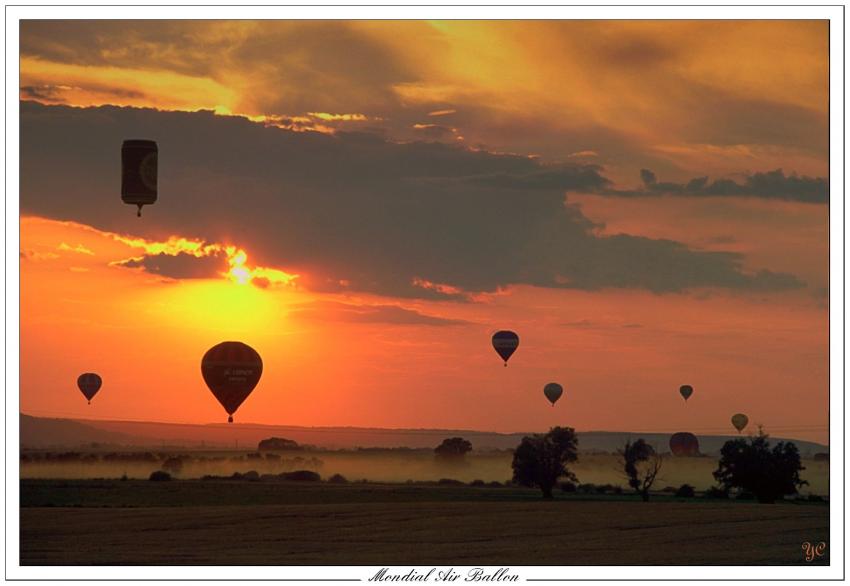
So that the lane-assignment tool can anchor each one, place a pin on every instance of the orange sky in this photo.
(349, 227)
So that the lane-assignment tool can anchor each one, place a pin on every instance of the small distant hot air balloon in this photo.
(231, 371)
(553, 392)
(686, 391)
(138, 173)
(684, 444)
(740, 421)
(505, 343)
(89, 384)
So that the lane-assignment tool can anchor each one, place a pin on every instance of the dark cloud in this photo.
(768, 185)
(391, 314)
(379, 216)
(180, 266)
(44, 93)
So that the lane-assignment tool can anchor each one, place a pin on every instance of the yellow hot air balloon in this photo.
(553, 392)
(740, 421)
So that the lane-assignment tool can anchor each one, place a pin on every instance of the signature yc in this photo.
(813, 550)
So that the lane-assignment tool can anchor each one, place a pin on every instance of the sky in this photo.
(366, 202)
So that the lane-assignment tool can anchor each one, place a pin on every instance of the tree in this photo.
(641, 464)
(453, 448)
(278, 444)
(751, 465)
(540, 460)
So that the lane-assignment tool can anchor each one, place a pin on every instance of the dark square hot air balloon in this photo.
(138, 172)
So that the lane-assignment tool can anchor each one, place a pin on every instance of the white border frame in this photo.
(661, 11)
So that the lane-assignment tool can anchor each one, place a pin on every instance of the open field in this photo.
(71, 522)
(383, 466)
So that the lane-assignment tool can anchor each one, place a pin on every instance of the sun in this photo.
(239, 273)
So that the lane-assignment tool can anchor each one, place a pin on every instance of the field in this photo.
(69, 522)
(391, 466)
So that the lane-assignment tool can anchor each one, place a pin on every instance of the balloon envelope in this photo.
(231, 371)
(89, 384)
(684, 444)
(553, 392)
(505, 343)
(686, 391)
(138, 172)
(740, 421)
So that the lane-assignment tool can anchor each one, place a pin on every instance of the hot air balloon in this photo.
(686, 391)
(505, 343)
(138, 173)
(553, 392)
(231, 371)
(740, 421)
(89, 384)
(684, 444)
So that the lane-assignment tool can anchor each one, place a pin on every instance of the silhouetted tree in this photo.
(751, 465)
(540, 460)
(641, 465)
(453, 449)
(279, 444)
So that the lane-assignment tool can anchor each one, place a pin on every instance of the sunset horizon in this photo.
(374, 298)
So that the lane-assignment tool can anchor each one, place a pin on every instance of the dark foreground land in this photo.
(285, 523)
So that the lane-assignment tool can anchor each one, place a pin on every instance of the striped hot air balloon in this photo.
(89, 384)
(231, 371)
(505, 343)
(138, 172)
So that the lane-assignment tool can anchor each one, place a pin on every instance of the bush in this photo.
(338, 479)
(495, 484)
(745, 495)
(568, 486)
(453, 448)
(278, 444)
(301, 476)
(716, 492)
(477, 483)
(685, 491)
(173, 464)
(449, 482)
(251, 475)
(586, 488)
(159, 476)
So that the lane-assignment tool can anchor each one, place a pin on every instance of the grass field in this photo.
(78, 522)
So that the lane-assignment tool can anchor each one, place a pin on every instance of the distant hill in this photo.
(43, 432)
(40, 432)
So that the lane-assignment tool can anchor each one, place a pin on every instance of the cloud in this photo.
(36, 256)
(768, 185)
(179, 266)
(79, 249)
(353, 207)
(390, 314)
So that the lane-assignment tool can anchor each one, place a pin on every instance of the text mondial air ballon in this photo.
(740, 421)
(89, 384)
(138, 173)
(231, 371)
(686, 391)
(553, 392)
(505, 343)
